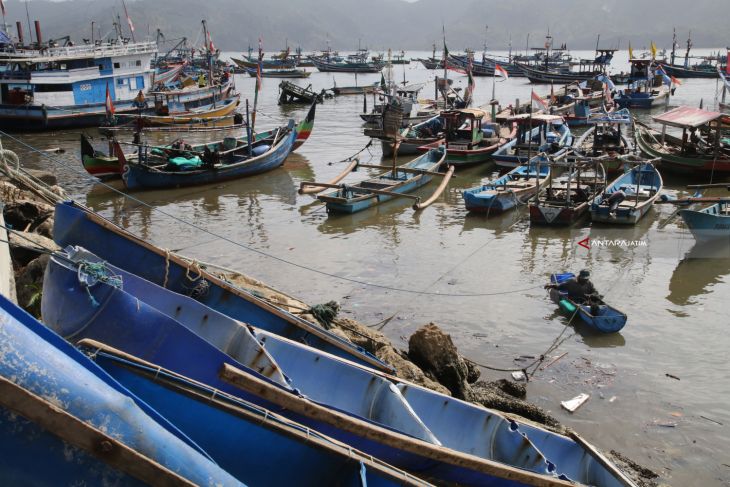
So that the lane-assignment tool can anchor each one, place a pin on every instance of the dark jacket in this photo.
(576, 289)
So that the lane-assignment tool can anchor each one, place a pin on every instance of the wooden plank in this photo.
(440, 189)
(82, 435)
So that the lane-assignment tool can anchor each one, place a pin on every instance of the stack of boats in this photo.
(181, 377)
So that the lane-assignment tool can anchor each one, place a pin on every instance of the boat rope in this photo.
(91, 273)
(249, 248)
(10, 165)
(167, 268)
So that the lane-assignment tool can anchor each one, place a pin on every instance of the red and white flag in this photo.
(675, 80)
(539, 101)
(211, 46)
(500, 71)
(109, 104)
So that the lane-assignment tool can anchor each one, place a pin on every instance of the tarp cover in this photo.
(687, 117)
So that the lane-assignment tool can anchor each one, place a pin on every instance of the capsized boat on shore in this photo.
(76, 225)
(64, 421)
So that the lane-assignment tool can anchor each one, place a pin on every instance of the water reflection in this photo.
(701, 268)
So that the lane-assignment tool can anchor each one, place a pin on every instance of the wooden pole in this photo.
(437, 193)
(311, 187)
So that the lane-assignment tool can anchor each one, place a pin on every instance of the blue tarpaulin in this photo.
(4, 38)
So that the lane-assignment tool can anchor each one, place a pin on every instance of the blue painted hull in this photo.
(649, 183)
(639, 100)
(137, 176)
(506, 156)
(506, 192)
(711, 223)
(250, 442)
(40, 363)
(75, 226)
(606, 319)
(133, 325)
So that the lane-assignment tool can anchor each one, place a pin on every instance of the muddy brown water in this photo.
(480, 279)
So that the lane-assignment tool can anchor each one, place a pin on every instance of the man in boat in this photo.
(578, 288)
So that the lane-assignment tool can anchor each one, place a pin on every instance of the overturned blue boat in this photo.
(64, 421)
(75, 225)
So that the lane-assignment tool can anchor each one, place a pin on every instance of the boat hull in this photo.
(709, 224)
(680, 164)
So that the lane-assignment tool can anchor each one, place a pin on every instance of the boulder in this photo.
(407, 370)
(26, 214)
(29, 285)
(19, 243)
(433, 351)
(491, 395)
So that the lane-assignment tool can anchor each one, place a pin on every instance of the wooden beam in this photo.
(437, 193)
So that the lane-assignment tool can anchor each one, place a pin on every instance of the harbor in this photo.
(648, 393)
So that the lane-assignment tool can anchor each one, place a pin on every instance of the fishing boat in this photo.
(707, 67)
(593, 311)
(76, 225)
(485, 67)
(411, 137)
(708, 224)
(279, 73)
(468, 139)
(565, 200)
(646, 88)
(605, 137)
(586, 69)
(251, 61)
(432, 62)
(510, 190)
(699, 151)
(291, 93)
(245, 439)
(230, 159)
(60, 410)
(351, 198)
(629, 197)
(107, 165)
(535, 133)
(347, 66)
(66, 87)
(374, 414)
(215, 111)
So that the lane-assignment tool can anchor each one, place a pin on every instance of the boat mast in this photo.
(674, 45)
(209, 54)
(689, 46)
(446, 74)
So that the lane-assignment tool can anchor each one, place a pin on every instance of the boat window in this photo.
(121, 81)
(117, 65)
(138, 62)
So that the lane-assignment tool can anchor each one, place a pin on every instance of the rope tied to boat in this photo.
(10, 165)
(167, 268)
(92, 273)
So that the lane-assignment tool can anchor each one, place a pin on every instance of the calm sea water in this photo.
(425, 263)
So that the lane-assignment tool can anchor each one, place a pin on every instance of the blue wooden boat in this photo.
(250, 442)
(75, 225)
(237, 161)
(537, 133)
(376, 417)
(64, 421)
(351, 198)
(711, 223)
(646, 89)
(596, 314)
(629, 197)
(510, 190)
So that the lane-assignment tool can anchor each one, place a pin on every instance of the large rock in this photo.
(22, 244)
(26, 214)
(492, 395)
(29, 285)
(433, 351)
(407, 370)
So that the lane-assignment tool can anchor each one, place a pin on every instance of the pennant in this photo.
(653, 50)
(667, 80)
(675, 81)
(469, 89)
(211, 46)
(500, 71)
(258, 77)
(109, 104)
(631, 52)
(540, 102)
(446, 50)
(383, 86)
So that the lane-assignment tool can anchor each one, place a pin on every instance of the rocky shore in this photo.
(432, 360)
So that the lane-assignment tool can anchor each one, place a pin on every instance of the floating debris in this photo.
(575, 403)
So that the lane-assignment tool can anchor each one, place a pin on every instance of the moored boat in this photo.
(279, 73)
(351, 198)
(629, 197)
(468, 140)
(510, 190)
(709, 224)
(699, 151)
(566, 199)
(535, 133)
(646, 88)
(605, 137)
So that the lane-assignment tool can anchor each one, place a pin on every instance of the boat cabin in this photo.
(542, 128)
(701, 130)
(463, 128)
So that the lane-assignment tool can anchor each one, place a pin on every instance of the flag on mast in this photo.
(653, 50)
(539, 101)
(631, 52)
(109, 104)
(500, 71)
(468, 93)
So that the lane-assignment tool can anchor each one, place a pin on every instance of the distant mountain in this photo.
(379, 24)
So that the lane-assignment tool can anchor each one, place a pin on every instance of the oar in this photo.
(312, 187)
(420, 206)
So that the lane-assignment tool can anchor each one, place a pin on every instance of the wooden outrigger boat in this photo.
(398, 181)
(412, 137)
(103, 165)
(630, 196)
(566, 199)
(605, 138)
(279, 73)
(252, 62)
(699, 152)
(468, 140)
(593, 312)
(510, 190)
(218, 110)
(646, 88)
(551, 136)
